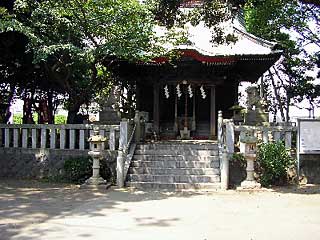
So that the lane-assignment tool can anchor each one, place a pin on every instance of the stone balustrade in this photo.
(50, 136)
(271, 133)
(228, 138)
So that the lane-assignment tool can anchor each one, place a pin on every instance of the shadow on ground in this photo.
(299, 189)
(24, 203)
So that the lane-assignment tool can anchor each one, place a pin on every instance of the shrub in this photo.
(273, 162)
(77, 170)
(237, 166)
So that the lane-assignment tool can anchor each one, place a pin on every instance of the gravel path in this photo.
(35, 210)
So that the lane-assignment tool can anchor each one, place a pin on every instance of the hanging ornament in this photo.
(203, 93)
(190, 91)
(178, 91)
(166, 91)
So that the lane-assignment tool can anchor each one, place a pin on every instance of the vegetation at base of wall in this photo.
(237, 168)
(273, 163)
(239, 157)
(238, 160)
(77, 170)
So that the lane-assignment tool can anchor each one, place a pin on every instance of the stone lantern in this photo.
(96, 148)
(250, 148)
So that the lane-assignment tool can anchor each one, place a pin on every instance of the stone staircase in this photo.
(175, 165)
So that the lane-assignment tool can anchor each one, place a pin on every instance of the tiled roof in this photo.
(247, 44)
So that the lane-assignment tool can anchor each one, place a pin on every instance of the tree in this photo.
(72, 42)
(272, 20)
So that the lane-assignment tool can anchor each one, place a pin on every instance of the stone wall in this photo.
(41, 163)
(310, 168)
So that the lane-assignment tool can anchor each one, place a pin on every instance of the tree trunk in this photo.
(50, 108)
(288, 99)
(73, 110)
(277, 95)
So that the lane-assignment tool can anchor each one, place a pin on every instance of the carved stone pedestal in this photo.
(250, 182)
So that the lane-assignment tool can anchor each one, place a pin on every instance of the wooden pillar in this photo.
(156, 108)
(213, 119)
(186, 110)
(262, 88)
(138, 100)
(175, 126)
(236, 91)
(193, 128)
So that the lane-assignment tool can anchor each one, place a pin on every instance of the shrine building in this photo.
(189, 92)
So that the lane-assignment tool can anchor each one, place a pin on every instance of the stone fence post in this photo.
(230, 136)
(224, 170)
(137, 135)
(220, 131)
(123, 141)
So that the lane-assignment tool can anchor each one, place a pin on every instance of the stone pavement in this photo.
(33, 210)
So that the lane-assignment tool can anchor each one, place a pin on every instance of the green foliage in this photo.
(71, 43)
(77, 170)
(211, 13)
(273, 162)
(17, 118)
(276, 20)
(239, 161)
(239, 158)
(60, 119)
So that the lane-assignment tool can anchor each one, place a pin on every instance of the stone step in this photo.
(174, 186)
(175, 171)
(173, 178)
(182, 147)
(189, 152)
(175, 158)
(175, 164)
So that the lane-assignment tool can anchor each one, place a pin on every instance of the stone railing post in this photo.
(6, 137)
(124, 131)
(220, 130)
(230, 136)
(120, 169)
(288, 140)
(124, 127)
(224, 170)
(137, 135)
(112, 139)
(16, 133)
(52, 138)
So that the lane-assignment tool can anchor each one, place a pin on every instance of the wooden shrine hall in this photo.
(188, 93)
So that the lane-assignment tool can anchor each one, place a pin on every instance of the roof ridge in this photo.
(259, 40)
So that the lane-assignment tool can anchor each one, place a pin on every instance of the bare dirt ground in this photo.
(37, 210)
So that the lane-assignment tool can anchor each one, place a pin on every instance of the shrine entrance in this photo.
(186, 106)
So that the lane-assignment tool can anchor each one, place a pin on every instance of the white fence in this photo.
(47, 136)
